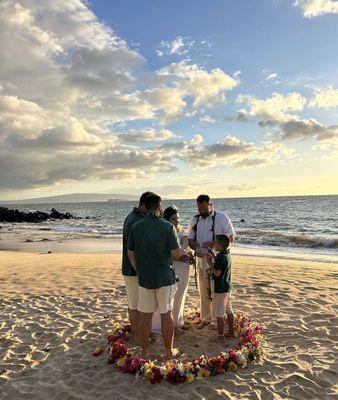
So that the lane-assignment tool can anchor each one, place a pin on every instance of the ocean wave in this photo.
(273, 238)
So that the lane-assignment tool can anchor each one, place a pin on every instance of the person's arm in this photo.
(191, 234)
(228, 228)
(177, 254)
(174, 244)
(132, 259)
(218, 267)
(131, 250)
(215, 271)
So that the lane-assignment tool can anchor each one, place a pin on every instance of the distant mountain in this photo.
(74, 198)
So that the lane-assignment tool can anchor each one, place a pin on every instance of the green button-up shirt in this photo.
(152, 239)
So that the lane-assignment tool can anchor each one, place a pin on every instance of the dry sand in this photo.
(56, 308)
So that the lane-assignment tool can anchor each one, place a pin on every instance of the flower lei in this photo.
(249, 349)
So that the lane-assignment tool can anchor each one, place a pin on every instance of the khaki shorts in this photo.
(131, 283)
(162, 299)
(219, 304)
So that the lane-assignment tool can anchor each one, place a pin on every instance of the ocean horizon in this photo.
(296, 225)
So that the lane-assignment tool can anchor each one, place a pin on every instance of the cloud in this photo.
(206, 87)
(179, 46)
(305, 129)
(271, 77)
(274, 107)
(325, 98)
(235, 153)
(241, 187)
(240, 116)
(146, 135)
(197, 139)
(315, 8)
(67, 79)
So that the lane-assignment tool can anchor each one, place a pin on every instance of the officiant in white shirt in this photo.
(203, 228)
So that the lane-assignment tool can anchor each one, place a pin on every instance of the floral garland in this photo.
(249, 349)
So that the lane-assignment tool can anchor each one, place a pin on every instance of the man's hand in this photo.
(131, 256)
(209, 258)
(205, 245)
(176, 254)
(185, 258)
(216, 272)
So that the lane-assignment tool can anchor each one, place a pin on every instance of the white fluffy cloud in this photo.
(275, 107)
(315, 8)
(325, 98)
(205, 87)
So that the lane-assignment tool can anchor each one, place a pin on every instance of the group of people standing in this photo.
(156, 260)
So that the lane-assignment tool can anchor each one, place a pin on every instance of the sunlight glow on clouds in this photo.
(274, 107)
(315, 8)
(325, 98)
(78, 105)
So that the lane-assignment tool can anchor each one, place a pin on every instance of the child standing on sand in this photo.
(220, 267)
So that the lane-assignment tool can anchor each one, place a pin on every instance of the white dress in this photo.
(182, 270)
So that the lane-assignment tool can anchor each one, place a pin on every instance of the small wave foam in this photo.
(273, 238)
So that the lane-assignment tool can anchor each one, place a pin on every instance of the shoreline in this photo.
(47, 241)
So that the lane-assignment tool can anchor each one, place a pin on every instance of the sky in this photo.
(231, 98)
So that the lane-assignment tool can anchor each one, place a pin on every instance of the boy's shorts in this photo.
(131, 283)
(229, 309)
(219, 304)
(162, 299)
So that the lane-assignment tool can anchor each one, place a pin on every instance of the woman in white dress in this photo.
(182, 269)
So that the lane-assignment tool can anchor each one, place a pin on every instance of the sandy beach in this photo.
(56, 308)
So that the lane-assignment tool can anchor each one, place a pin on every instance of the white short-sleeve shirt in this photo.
(223, 226)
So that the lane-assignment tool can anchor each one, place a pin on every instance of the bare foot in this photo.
(212, 327)
(203, 324)
(230, 335)
(175, 353)
(185, 327)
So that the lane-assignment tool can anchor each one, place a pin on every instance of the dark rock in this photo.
(55, 214)
(49, 252)
(44, 240)
(242, 220)
(8, 215)
(28, 240)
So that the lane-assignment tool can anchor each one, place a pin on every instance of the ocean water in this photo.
(294, 224)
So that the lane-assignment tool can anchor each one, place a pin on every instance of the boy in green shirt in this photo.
(220, 266)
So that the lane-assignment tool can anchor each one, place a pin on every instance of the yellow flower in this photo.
(149, 365)
(232, 366)
(188, 365)
(149, 374)
(203, 373)
(121, 361)
(190, 378)
(116, 326)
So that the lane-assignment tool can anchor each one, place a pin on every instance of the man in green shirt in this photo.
(152, 245)
(128, 272)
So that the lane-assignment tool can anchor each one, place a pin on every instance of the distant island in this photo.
(75, 198)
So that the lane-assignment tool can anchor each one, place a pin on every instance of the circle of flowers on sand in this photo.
(249, 349)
